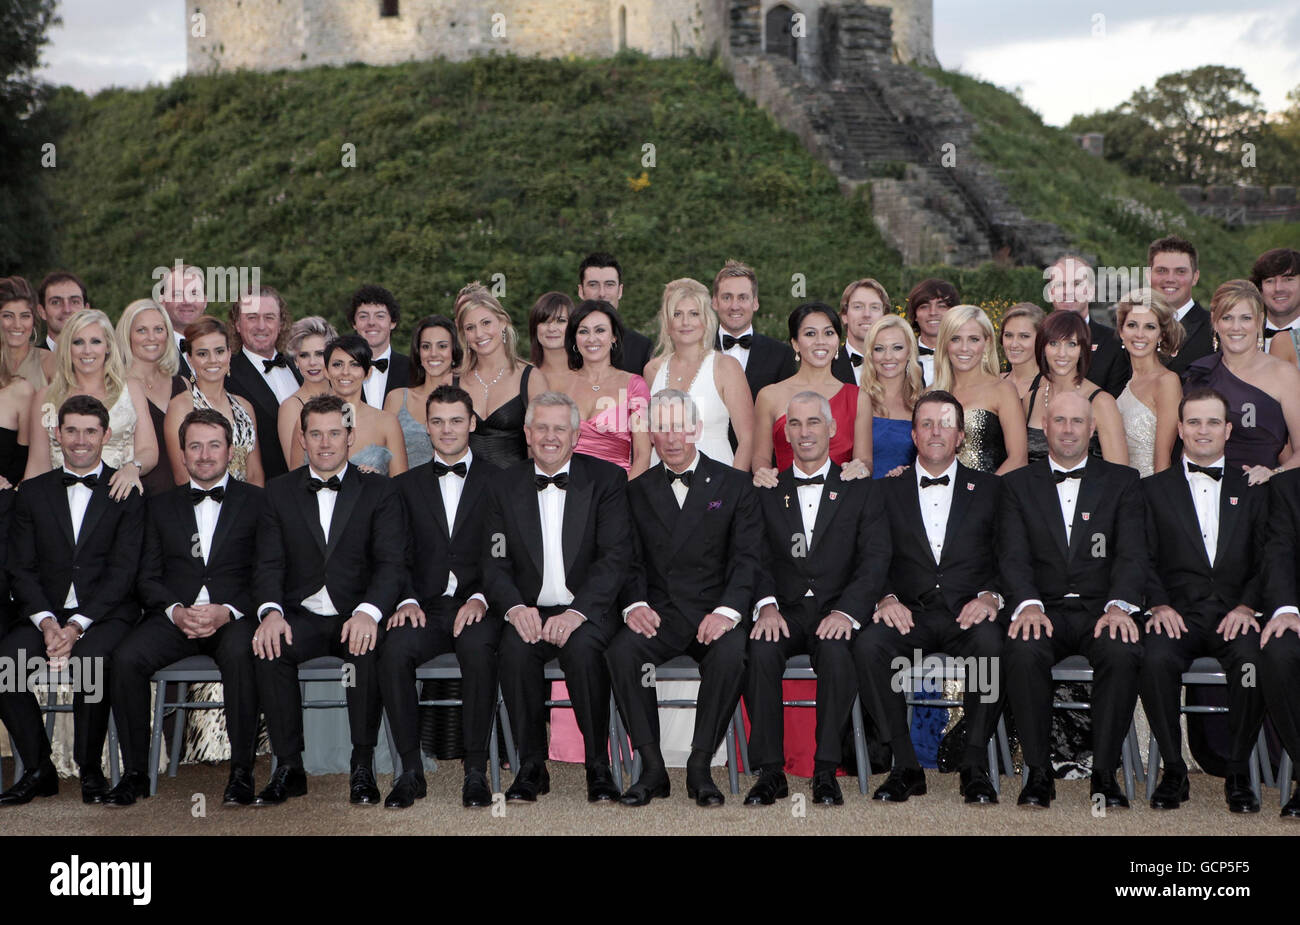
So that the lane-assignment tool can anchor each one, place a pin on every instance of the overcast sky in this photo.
(1065, 56)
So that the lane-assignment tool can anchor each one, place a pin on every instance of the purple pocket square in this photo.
(714, 505)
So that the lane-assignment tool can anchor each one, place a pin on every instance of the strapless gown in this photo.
(891, 446)
(1257, 445)
(419, 449)
(713, 441)
(984, 448)
(160, 479)
(844, 408)
(1140, 430)
(499, 438)
(374, 457)
(607, 434)
(13, 458)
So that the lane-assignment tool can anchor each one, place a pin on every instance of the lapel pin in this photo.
(1084, 514)
(970, 486)
(714, 505)
(834, 494)
(1232, 501)
(787, 502)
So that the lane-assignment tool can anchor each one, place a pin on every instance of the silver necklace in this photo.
(488, 385)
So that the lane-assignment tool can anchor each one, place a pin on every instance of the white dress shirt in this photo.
(278, 378)
(1205, 497)
(857, 370)
(936, 503)
(206, 513)
(451, 486)
(50, 344)
(740, 353)
(1187, 307)
(78, 501)
(927, 364)
(377, 381)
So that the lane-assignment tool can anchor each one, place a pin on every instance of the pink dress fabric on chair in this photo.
(606, 435)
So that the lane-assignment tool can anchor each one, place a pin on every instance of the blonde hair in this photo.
(64, 381)
(169, 362)
(954, 318)
(913, 383)
(674, 293)
(1232, 292)
(734, 269)
(1172, 332)
(865, 283)
(476, 296)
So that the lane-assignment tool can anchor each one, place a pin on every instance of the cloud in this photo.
(124, 43)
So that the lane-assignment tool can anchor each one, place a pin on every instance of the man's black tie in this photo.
(90, 481)
(332, 483)
(926, 481)
(856, 359)
(381, 365)
(924, 351)
(217, 493)
(1269, 332)
(743, 340)
(1062, 476)
(1214, 472)
(560, 480)
(278, 360)
(812, 480)
(441, 469)
(683, 477)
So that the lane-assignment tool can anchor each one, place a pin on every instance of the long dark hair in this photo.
(577, 316)
(433, 321)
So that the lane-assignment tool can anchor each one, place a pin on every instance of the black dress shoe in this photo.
(770, 787)
(239, 789)
(362, 789)
(40, 781)
(476, 791)
(901, 784)
(600, 784)
(94, 785)
(704, 791)
(1292, 808)
(977, 787)
(1039, 790)
(648, 787)
(826, 789)
(1106, 785)
(133, 786)
(284, 783)
(409, 787)
(532, 781)
(1241, 799)
(1173, 791)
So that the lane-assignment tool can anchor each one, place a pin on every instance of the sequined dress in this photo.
(1140, 429)
(984, 448)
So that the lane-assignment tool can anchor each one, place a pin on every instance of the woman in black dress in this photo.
(144, 333)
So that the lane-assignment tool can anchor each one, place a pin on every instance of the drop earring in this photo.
(1215, 339)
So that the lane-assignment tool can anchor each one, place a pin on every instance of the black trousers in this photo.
(281, 697)
(524, 687)
(407, 647)
(1279, 675)
(21, 713)
(878, 645)
(156, 643)
(1115, 665)
(722, 672)
(837, 685)
(1163, 662)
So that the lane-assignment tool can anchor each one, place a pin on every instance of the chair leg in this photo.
(392, 746)
(615, 746)
(114, 752)
(1265, 763)
(512, 755)
(1284, 776)
(178, 728)
(1254, 772)
(1004, 744)
(1126, 762)
(51, 701)
(1153, 765)
(1133, 743)
(732, 752)
(860, 746)
(494, 757)
(994, 777)
(626, 757)
(156, 734)
(742, 744)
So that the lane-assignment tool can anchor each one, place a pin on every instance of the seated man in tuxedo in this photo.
(699, 541)
(825, 558)
(555, 553)
(329, 567)
(197, 600)
(1205, 580)
(941, 597)
(443, 609)
(1073, 549)
(1279, 643)
(73, 556)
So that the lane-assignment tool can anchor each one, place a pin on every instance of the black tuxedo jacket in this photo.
(1105, 559)
(172, 569)
(1281, 549)
(842, 367)
(969, 562)
(399, 372)
(1179, 573)
(594, 538)
(103, 560)
(6, 520)
(1198, 341)
(637, 349)
(848, 561)
(769, 361)
(692, 559)
(434, 547)
(245, 380)
(362, 560)
(1109, 366)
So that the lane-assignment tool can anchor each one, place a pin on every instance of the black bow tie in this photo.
(90, 481)
(217, 493)
(560, 480)
(440, 469)
(924, 351)
(856, 359)
(278, 360)
(813, 480)
(1214, 472)
(926, 481)
(683, 477)
(743, 340)
(315, 484)
(1269, 332)
(1062, 476)
(381, 365)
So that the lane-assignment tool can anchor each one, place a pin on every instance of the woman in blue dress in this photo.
(891, 384)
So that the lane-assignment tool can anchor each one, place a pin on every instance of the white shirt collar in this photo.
(254, 354)
(225, 480)
(467, 459)
(1057, 467)
(98, 471)
(388, 351)
(1220, 462)
(823, 471)
(723, 332)
(1185, 309)
(951, 472)
(316, 475)
(851, 350)
(695, 462)
(565, 468)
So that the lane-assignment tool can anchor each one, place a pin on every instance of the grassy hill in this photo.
(520, 167)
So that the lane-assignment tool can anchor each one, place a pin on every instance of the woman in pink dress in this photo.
(613, 405)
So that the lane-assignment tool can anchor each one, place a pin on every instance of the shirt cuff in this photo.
(997, 597)
(732, 615)
(1122, 605)
(1289, 608)
(36, 618)
(235, 612)
(510, 610)
(631, 607)
(81, 621)
(579, 613)
(854, 623)
(1023, 604)
(168, 611)
(409, 600)
(370, 610)
(266, 608)
(885, 600)
(478, 596)
(763, 603)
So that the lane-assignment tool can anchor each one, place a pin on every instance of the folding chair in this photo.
(49, 708)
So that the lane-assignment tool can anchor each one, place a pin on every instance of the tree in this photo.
(25, 230)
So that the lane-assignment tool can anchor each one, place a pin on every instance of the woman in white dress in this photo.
(685, 359)
(1148, 405)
